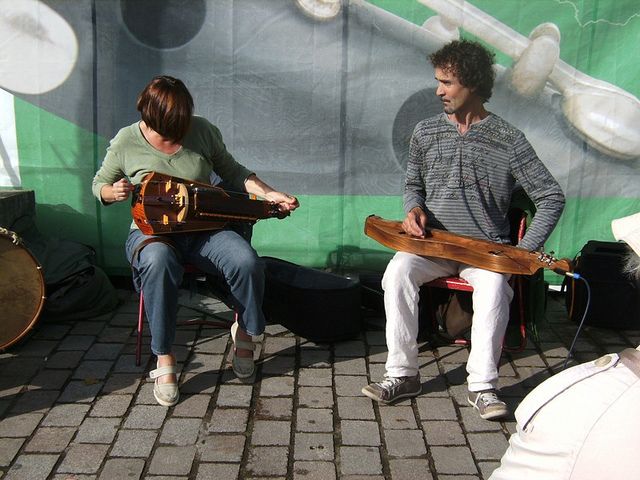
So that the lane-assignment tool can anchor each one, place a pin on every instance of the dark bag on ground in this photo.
(319, 306)
(615, 301)
(75, 287)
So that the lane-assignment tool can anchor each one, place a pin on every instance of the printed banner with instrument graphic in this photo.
(319, 97)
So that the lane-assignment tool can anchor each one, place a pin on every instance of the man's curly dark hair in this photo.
(470, 62)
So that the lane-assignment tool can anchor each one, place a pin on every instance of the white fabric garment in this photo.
(581, 424)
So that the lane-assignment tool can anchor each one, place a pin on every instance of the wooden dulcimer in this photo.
(166, 204)
(484, 254)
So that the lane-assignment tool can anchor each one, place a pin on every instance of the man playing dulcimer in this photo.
(463, 166)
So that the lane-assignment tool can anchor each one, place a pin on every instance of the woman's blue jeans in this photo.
(158, 270)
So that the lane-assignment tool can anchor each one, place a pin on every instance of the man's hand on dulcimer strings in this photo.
(415, 222)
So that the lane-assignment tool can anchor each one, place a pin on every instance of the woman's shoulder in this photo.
(124, 136)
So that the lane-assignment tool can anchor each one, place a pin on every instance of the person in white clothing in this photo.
(583, 423)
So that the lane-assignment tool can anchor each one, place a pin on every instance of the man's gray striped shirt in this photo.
(464, 182)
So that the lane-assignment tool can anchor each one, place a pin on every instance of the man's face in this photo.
(453, 94)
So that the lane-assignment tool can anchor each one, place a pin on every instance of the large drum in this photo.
(21, 290)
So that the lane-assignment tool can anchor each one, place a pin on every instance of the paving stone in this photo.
(356, 408)
(31, 467)
(315, 377)
(88, 328)
(278, 366)
(222, 448)
(80, 391)
(277, 408)
(76, 342)
(435, 408)
(350, 385)
(50, 439)
(111, 406)
(487, 468)
(410, 469)
(127, 364)
(443, 433)
(143, 417)
(312, 357)
(34, 401)
(65, 415)
(434, 387)
(349, 366)
(134, 443)
(97, 430)
(378, 354)
(234, 395)
(357, 432)
(280, 346)
(203, 363)
(405, 443)
(313, 446)
(351, 348)
(453, 460)
(454, 355)
(228, 420)
(267, 461)
(397, 417)
(315, 397)
(121, 383)
(83, 458)
(38, 348)
(121, 468)
(360, 460)
(9, 448)
(429, 369)
(208, 471)
(145, 394)
(488, 446)
(50, 331)
(172, 460)
(314, 420)
(50, 379)
(180, 431)
(192, 406)
(21, 425)
(473, 423)
(276, 387)
(271, 432)
(217, 344)
(114, 334)
(314, 471)
(92, 370)
(104, 351)
(64, 360)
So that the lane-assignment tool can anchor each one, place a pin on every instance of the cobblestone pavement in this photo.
(73, 405)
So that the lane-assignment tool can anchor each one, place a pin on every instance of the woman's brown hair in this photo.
(166, 106)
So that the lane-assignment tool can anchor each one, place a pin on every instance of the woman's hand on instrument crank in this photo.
(286, 202)
(415, 222)
(121, 190)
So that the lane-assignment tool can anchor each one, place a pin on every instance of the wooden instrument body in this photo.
(484, 254)
(164, 204)
(22, 291)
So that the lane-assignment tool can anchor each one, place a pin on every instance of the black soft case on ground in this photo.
(615, 302)
(317, 305)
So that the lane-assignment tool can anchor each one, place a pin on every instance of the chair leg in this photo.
(140, 327)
